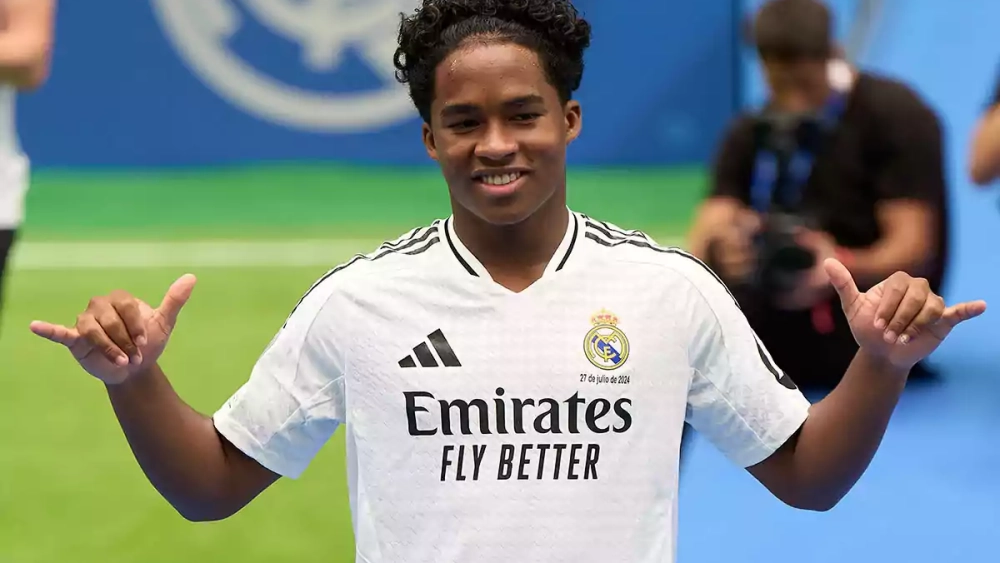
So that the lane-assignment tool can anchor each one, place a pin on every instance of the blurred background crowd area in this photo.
(257, 146)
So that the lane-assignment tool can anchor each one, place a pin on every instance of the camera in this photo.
(781, 261)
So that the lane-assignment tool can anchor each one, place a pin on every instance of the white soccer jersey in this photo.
(484, 425)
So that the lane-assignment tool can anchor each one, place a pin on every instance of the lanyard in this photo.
(764, 186)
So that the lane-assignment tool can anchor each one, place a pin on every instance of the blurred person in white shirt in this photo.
(26, 29)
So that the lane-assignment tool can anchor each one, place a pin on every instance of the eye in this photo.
(464, 124)
(526, 117)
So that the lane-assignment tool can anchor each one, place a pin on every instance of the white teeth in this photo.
(501, 180)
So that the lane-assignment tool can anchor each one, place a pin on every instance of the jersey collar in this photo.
(474, 267)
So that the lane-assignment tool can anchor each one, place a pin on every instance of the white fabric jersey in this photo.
(484, 425)
(13, 163)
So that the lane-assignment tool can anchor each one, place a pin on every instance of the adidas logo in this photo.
(424, 356)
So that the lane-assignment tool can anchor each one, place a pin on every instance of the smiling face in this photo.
(499, 132)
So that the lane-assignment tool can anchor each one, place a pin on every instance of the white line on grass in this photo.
(195, 254)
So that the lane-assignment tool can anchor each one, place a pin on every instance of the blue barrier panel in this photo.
(177, 82)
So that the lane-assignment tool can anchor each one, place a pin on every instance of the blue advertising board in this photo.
(191, 82)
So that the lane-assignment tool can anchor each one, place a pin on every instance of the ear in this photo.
(429, 143)
(574, 120)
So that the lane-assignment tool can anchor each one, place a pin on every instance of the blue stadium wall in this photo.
(193, 82)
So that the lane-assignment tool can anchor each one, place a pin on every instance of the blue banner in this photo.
(183, 82)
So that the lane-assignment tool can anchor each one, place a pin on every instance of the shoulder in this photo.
(414, 249)
(739, 132)
(894, 99)
(395, 258)
(633, 252)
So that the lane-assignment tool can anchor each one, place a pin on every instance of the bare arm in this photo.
(732, 169)
(118, 340)
(196, 470)
(838, 440)
(984, 157)
(911, 186)
(909, 229)
(714, 215)
(823, 461)
(26, 41)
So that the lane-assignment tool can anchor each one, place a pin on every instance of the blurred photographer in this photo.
(840, 163)
(984, 161)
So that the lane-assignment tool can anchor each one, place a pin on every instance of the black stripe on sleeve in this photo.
(675, 251)
(614, 233)
(402, 245)
(423, 248)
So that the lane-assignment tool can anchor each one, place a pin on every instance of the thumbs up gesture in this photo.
(118, 335)
(900, 320)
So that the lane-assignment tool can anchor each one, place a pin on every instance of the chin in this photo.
(501, 216)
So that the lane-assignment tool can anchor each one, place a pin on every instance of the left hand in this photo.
(814, 287)
(899, 320)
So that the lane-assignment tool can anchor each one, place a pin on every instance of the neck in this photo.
(520, 249)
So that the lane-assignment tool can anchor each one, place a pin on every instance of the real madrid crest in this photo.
(606, 345)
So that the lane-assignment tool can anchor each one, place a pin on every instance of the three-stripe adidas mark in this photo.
(424, 356)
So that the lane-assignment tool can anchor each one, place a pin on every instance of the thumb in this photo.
(962, 312)
(175, 299)
(842, 281)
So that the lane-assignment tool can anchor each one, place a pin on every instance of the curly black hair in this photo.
(551, 28)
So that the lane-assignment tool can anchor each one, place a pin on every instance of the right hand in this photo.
(118, 335)
(734, 251)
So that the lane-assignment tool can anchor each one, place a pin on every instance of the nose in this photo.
(496, 144)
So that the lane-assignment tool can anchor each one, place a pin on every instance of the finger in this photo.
(127, 308)
(92, 332)
(55, 333)
(748, 223)
(114, 326)
(928, 316)
(962, 312)
(733, 242)
(175, 299)
(893, 291)
(910, 305)
(842, 281)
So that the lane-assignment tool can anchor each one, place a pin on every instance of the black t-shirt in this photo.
(887, 145)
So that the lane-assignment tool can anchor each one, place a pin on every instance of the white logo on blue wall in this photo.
(315, 65)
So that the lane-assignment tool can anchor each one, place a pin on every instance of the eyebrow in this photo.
(518, 102)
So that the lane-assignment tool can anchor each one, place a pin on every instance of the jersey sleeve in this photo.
(738, 398)
(293, 400)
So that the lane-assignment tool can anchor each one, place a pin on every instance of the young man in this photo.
(873, 195)
(25, 42)
(508, 373)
